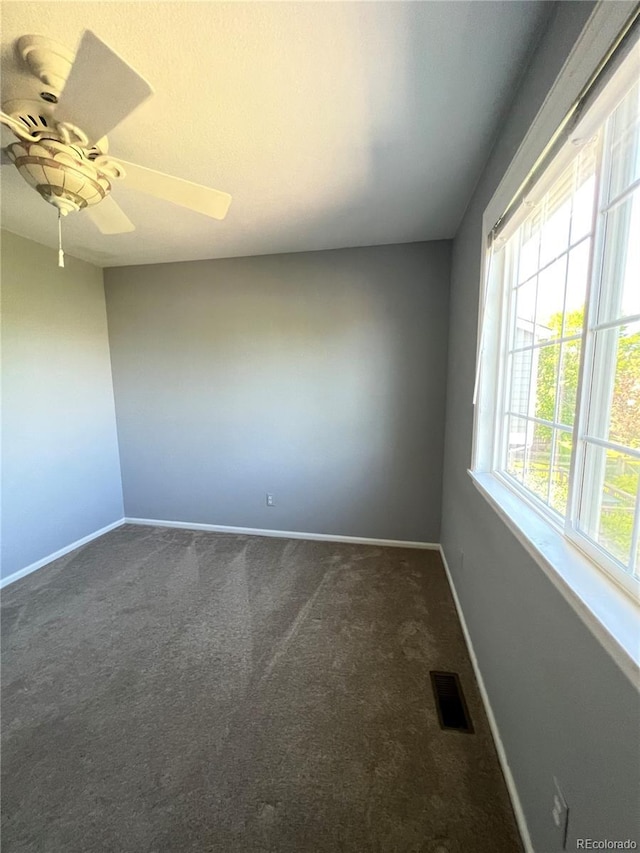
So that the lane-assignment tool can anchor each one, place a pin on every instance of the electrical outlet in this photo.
(560, 813)
(271, 501)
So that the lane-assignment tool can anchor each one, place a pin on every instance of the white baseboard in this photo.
(215, 528)
(283, 534)
(51, 557)
(502, 756)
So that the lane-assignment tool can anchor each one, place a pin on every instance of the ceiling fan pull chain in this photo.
(60, 251)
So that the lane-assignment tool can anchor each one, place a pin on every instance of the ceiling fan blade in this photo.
(109, 218)
(204, 200)
(101, 89)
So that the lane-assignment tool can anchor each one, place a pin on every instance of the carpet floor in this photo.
(172, 690)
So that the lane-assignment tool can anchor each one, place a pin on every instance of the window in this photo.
(564, 433)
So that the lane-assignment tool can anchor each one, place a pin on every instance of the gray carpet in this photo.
(169, 690)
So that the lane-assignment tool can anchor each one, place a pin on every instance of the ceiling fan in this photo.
(61, 120)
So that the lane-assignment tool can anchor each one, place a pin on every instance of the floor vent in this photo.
(452, 709)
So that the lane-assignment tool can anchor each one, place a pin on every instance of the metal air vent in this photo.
(450, 703)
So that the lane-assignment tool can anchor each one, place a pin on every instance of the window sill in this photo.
(609, 612)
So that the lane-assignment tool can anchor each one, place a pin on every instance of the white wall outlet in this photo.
(271, 501)
(560, 813)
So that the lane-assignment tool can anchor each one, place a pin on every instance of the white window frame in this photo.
(568, 524)
(610, 613)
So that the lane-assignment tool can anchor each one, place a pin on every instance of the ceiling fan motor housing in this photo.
(62, 174)
(48, 60)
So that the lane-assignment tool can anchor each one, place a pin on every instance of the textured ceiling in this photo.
(331, 124)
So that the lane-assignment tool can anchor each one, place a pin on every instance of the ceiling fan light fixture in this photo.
(68, 183)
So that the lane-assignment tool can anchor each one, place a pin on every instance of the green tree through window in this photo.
(549, 461)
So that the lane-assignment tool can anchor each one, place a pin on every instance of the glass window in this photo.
(567, 435)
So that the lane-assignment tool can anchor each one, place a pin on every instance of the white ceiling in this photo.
(331, 124)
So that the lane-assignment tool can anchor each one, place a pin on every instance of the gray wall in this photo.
(562, 706)
(60, 467)
(317, 376)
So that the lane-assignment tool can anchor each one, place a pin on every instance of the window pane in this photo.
(516, 444)
(555, 231)
(568, 379)
(546, 362)
(621, 263)
(559, 490)
(520, 379)
(582, 213)
(550, 301)
(577, 280)
(525, 312)
(615, 400)
(608, 501)
(624, 135)
(529, 249)
(538, 459)
(625, 401)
